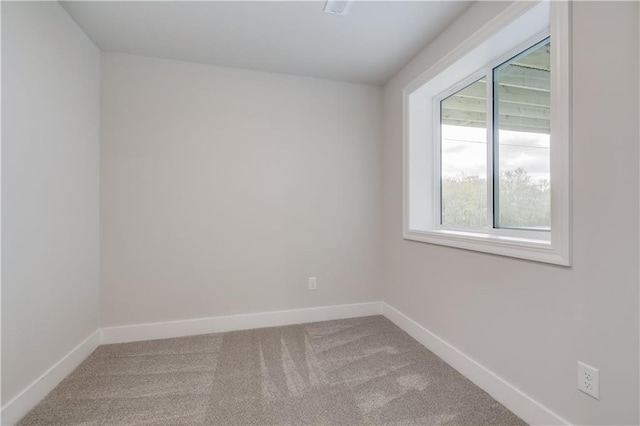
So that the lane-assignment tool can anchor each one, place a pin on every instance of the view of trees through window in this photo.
(525, 200)
(521, 155)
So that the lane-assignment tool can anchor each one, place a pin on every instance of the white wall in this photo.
(50, 195)
(529, 322)
(223, 190)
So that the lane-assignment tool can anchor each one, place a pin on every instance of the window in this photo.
(487, 141)
(512, 144)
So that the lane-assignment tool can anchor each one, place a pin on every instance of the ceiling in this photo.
(369, 45)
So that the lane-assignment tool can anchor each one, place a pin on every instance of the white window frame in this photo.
(519, 27)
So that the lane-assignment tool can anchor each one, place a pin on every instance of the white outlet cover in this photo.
(313, 283)
(589, 380)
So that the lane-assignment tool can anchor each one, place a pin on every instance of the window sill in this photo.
(523, 248)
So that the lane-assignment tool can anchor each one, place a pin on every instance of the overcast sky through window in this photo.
(464, 152)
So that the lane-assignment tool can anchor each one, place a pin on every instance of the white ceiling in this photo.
(369, 45)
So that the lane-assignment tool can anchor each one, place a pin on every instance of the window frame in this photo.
(544, 246)
(486, 72)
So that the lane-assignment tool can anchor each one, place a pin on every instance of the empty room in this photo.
(320, 212)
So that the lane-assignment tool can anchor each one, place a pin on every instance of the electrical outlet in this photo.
(589, 380)
(313, 283)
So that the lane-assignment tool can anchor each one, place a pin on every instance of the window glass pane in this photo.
(463, 130)
(522, 134)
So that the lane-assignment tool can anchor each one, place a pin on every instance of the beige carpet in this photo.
(354, 371)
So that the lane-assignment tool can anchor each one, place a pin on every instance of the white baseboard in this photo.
(165, 330)
(511, 397)
(20, 405)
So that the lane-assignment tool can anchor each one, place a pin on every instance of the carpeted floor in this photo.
(354, 371)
